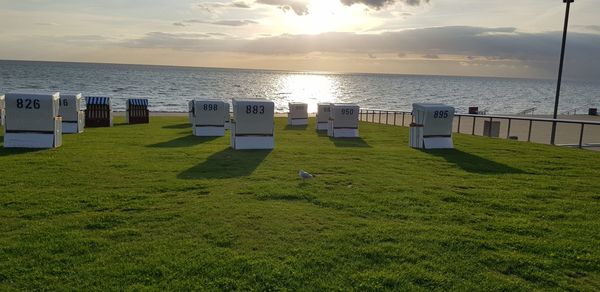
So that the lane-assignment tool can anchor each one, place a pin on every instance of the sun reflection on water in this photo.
(308, 88)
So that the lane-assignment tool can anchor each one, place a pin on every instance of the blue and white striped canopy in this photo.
(137, 101)
(94, 100)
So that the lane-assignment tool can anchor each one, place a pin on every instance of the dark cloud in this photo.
(378, 4)
(299, 7)
(537, 50)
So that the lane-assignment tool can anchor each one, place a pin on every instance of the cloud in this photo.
(378, 4)
(469, 44)
(45, 24)
(594, 28)
(219, 22)
(299, 7)
(211, 7)
(431, 56)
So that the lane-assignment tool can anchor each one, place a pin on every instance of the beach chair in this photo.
(209, 117)
(432, 126)
(32, 120)
(1, 110)
(98, 112)
(343, 121)
(191, 112)
(73, 118)
(137, 112)
(323, 114)
(253, 124)
(298, 114)
(227, 116)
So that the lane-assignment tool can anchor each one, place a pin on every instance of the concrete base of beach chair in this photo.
(345, 133)
(74, 127)
(297, 122)
(322, 126)
(209, 131)
(252, 142)
(32, 140)
(330, 129)
(438, 143)
(35, 140)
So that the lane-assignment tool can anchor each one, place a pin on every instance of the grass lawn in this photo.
(152, 207)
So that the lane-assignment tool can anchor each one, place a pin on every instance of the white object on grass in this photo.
(305, 175)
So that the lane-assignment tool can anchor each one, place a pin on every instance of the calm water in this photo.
(169, 88)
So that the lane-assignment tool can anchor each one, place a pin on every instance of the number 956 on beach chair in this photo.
(32, 121)
(137, 111)
(73, 119)
(98, 112)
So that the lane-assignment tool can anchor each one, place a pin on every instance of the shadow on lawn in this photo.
(296, 128)
(187, 141)
(178, 126)
(473, 163)
(17, 151)
(228, 163)
(350, 142)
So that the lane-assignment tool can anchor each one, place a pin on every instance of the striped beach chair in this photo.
(98, 112)
(137, 111)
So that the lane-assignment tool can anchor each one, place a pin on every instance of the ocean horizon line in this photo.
(310, 72)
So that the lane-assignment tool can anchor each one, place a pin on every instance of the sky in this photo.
(434, 37)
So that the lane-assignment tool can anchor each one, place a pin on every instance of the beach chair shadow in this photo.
(181, 142)
(227, 163)
(473, 163)
(296, 128)
(178, 126)
(17, 151)
(350, 142)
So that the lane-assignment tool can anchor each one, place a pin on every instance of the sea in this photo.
(170, 88)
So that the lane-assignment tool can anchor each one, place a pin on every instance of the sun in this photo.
(329, 16)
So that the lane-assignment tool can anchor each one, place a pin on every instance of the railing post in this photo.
(530, 128)
(474, 123)
(387, 115)
(403, 118)
(581, 136)
(373, 119)
(508, 132)
(490, 129)
(395, 114)
(459, 119)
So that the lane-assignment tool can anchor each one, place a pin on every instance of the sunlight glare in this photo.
(329, 16)
(308, 88)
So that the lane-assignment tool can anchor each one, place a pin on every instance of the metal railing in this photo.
(529, 111)
(531, 129)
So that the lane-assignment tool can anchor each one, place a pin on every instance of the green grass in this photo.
(151, 207)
